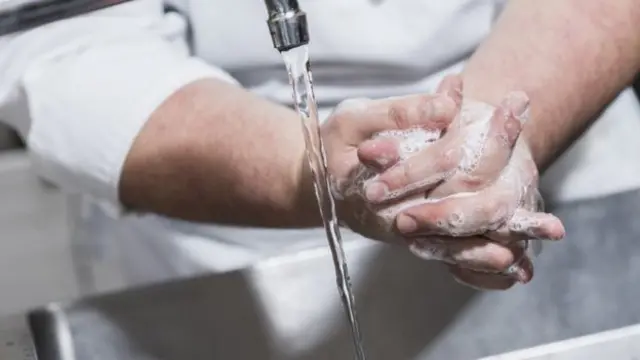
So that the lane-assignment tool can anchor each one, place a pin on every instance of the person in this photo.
(113, 106)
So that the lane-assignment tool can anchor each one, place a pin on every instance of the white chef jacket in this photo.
(79, 91)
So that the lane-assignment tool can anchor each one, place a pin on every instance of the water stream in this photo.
(297, 63)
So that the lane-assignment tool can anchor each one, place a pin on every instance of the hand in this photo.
(355, 122)
(478, 183)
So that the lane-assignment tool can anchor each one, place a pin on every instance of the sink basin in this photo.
(288, 307)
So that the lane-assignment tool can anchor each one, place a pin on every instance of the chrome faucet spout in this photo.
(287, 24)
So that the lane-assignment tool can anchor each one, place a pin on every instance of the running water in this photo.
(297, 62)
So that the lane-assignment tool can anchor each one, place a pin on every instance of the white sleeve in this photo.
(80, 90)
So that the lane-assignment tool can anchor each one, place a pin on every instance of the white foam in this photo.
(411, 140)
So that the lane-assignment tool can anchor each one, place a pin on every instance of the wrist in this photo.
(524, 160)
(305, 206)
(537, 147)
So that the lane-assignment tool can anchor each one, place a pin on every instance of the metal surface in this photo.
(284, 309)
(618, 344)
(287, 24)
(51, 333)
(16, 342)
(19, 15)
(288, 308)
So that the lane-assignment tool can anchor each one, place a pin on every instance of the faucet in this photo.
(287, 24)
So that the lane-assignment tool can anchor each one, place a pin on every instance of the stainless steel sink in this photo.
(288, 307)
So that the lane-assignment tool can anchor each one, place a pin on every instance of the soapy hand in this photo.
(353, 123)
(469, 198)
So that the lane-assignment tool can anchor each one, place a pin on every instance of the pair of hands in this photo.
(449, 177)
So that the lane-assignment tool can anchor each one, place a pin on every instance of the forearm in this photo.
(146, 130)
(214, 152)
(571, 57)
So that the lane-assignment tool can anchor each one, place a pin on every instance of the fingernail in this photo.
(557, 230)
(406, 224)
(376, 191)
(518, 273)
(518, 103)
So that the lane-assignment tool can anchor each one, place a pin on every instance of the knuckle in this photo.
(424, 107)
(471, 182)
(447, 221)
(395, 180)
(447, 161)
(399, 116)
(452, 86)
(337, 122)
(502, 260)
(511, 130)
(332, 129)
(436, 111)
(523, 223)
(344, 114)
(400, 177)
(454, 220)
(434, 221)
(354, 105)
(496, 212)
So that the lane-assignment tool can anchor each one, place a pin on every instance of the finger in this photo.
(461, 214)
(359, 120)
(483, 156)
(379, 154)
(504, 129)
(487, 147)
(384, 151)
(473, 253)
(387, 148)
(365, 118)
(381, 151)
(419, 173)
(527, 224)
(452, 86)
(481, 281)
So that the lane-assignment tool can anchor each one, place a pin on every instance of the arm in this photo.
(571, 57)
(215, 152)
(110, 108)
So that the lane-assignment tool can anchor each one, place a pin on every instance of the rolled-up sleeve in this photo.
(79, 92)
